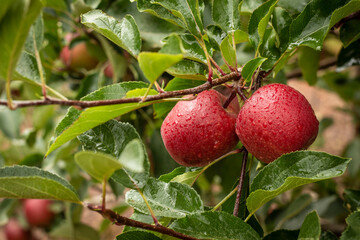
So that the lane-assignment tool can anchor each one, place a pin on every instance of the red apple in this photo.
(275, 120)
(38, 212)
(199, 131)
(78, 57)
(108, 71)
(14, 231)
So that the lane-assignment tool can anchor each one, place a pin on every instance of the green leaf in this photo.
(353, 229)
(159, 11)
(169, 176)
(310, 228)
(187, 11)
(6, 206)
(186, 178)
(290, 171)
(228, 52)
(36, 32)
(31, 182)
(5, 4)
(216, 35)
(226, 14)
(352, 199)
(259, 22)
(113, 138)
(74, 231)
(309, 62)
(172, 199)
(281, 22)
(349, 56)
(214, 225)
(314, 22)
(153, 64)
(137, 235)
(187, 45)
(77, 122)
(283, 234)
(350, 32)
(14, 28)
(250, 67)
(188, 69)
(124, 33)
(132, 157)
(98, 165)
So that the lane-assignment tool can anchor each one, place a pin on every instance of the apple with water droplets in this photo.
(198, 131)
(275, 120)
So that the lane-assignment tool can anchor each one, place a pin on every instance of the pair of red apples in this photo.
(275, 120)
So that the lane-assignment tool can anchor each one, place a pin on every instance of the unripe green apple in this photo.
(14, 231)
(275, 120)
(198, 131)
(38, 212)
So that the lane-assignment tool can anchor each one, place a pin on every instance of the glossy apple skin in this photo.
(275, 120)
(38, 212)
(78, 57)
(199, 131)
(13, 231)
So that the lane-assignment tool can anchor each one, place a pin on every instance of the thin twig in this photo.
(121, 220)
(326, 63)
(86, 104)
(241, 183)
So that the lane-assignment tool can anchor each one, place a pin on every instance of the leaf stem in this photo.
(224, 200)
(241, 182)
(213, 162)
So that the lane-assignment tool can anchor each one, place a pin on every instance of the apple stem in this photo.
(241, 183)
(241, 94)
(229, 99)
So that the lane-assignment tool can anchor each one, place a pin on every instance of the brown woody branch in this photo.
(326, 63)
(121, 220)
(86, 104)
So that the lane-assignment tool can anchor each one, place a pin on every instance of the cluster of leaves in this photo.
(183, 43)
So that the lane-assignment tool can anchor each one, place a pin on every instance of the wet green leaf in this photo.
(226, 14)
(290, 171)
(215, 225)
(314, 22)
(77, 122)
(228, 52)
(112, 138)
(259, 22)
(31, 182)
(124, 33)
(188, 69)
(172, 199)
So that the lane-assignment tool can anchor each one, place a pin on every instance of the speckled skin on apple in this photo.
(275, 120)
(199, 131)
